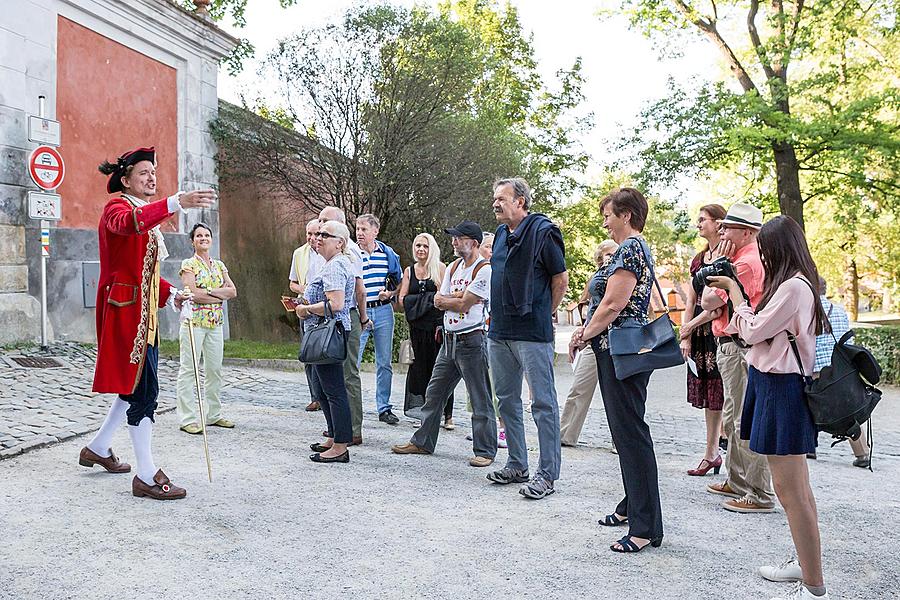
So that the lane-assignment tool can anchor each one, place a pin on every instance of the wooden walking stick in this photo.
(187, 313)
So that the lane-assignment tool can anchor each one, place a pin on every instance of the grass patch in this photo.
(241, 349)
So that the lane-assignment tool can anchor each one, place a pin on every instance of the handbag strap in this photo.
(649, 262)
(329, 314)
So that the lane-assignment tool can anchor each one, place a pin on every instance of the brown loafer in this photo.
(312, 406)
(409, 448)
(89, 458)
(357, 441)
(163, 490)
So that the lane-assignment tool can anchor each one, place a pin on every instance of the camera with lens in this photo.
(721, 267)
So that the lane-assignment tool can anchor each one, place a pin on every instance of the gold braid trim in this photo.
(140, 340)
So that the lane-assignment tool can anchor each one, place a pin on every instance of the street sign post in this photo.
(47, 170)
(46, 167)
(44, 206)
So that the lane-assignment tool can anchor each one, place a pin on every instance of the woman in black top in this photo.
(420, 283)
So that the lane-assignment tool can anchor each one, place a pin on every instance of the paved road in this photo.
(274, 525)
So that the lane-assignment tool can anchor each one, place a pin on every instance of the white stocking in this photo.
(102, 441)
(140, 440)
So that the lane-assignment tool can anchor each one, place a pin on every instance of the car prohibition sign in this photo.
(46, 167)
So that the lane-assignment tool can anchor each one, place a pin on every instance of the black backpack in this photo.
(844, 395)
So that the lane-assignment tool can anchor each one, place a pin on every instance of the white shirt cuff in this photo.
(173, 203)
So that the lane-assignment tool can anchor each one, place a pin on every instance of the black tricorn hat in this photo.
(117, 169)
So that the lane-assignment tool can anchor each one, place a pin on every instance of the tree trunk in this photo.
(853, 305)
(787, 173)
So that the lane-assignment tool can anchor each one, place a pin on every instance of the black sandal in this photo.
(627, 545)
(613, 521)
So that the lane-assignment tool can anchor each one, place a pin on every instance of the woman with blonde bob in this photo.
(421, 282)
(334, 283)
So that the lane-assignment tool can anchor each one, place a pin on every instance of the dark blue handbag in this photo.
(636, 348)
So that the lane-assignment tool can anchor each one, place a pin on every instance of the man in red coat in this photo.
(130, 291)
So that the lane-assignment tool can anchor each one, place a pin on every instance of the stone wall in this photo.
(30, 54)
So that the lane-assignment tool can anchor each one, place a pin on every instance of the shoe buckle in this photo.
(165, 488)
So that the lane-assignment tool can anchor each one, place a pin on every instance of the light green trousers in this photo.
(209, 344)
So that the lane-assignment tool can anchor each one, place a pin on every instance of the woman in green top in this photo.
(208, 280)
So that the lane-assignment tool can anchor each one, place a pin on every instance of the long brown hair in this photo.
(784, 253)
(716, 211)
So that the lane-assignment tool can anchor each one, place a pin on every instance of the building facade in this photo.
(116, 75)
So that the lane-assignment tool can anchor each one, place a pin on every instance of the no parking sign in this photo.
(46, 167)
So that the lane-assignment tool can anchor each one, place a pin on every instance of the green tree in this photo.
(792, 120)
(668, 232)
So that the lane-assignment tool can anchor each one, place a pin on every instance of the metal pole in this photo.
(44, 225)
(190, 324)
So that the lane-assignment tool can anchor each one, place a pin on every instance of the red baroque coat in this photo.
(128, 254)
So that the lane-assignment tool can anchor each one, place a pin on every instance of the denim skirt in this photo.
(776, 419)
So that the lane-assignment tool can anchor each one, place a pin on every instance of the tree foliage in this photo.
(836, 111)
(825, 125)
(407, 114)
(668, 232)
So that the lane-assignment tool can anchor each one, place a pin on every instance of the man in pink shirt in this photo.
(749, 483)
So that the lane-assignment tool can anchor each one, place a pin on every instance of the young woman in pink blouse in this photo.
(776, 419)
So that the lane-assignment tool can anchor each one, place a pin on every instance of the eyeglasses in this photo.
(325, 235)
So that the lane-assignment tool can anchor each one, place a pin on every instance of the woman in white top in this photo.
(776, 419)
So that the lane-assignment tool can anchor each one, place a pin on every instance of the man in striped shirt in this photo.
(381, 276)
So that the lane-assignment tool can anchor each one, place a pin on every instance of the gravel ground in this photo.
(274, 525)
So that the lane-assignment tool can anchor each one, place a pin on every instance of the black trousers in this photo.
(142, 402)
(625, 402)
(332, 393)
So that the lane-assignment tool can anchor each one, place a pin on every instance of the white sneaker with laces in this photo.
(789, 570)
(799, 592)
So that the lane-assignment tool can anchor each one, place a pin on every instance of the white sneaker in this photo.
(789, 570)
(799, 592)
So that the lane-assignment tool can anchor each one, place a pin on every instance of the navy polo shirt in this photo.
(536, 326)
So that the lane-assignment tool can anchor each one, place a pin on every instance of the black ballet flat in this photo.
(317, 447)
(341, 458)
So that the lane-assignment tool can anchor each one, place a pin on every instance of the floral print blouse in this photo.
(206, 277)
(633, 255)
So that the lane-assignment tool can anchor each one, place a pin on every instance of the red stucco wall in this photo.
(110, 99)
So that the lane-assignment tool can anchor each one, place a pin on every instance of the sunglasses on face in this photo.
(325, 235)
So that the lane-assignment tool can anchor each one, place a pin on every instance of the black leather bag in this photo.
(636, 348)
(326, 343)
(420, 306)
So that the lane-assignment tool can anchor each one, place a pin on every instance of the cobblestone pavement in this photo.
(43, 406)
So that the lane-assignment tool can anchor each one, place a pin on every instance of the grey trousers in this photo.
(461, 357)
(351, 374)
(510, 360)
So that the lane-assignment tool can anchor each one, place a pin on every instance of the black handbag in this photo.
(419, 306)
(638, 348)
(326, 343)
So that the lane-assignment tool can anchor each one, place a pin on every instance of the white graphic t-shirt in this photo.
(461, 281)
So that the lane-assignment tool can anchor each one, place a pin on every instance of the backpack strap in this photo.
(791, 337)
(478, 266)
(454, 266)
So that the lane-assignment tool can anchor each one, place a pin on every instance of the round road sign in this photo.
(46, 167)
